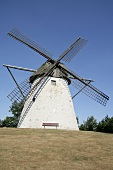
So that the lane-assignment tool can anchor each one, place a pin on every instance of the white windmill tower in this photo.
(48, 102)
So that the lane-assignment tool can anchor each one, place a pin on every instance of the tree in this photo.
(105, 125)
(16, 110)
(77, 120)
(82, 126)
(9, 122)
(89, 125)
(1, 123)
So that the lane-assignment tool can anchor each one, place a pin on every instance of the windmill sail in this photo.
(89, 90)
(73, 50)
(15, 95)
(18, 35)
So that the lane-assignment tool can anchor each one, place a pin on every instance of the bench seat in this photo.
(50, 124)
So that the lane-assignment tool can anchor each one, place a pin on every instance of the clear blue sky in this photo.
(55, 24)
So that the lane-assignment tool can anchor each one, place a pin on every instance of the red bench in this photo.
(50, 124)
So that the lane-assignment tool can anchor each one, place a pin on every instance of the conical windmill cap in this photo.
(57, 72)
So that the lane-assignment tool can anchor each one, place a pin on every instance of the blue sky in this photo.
(56, 25)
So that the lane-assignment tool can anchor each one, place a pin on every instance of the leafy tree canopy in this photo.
(105, 125)
(16, 108)
(89, 125)
(12, 121)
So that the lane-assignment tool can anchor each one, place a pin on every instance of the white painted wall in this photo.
(52, 105)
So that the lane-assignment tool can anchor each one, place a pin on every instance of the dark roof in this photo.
(57, 72)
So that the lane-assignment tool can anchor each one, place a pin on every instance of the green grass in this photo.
(29, 149)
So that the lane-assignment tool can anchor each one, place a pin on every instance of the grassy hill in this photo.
(30, 149)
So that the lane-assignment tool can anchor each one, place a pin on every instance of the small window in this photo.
(53, 82)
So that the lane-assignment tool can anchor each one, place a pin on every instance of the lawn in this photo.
(30, 149)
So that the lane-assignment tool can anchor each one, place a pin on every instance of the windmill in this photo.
(46, 95)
